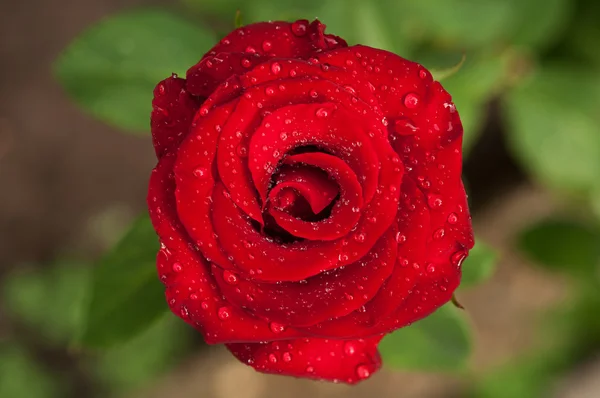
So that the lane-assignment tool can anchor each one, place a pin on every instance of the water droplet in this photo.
(360, 237)
(286, 356)
(362, 371)
(404, 126)
(246, 63)
(400, 238)
(269, 91)
(411, 100)
(434, 201)
(203, 111)
(230, 277)
(313, 93)
(349, 297)
(223, 313)
(283, 136)
(310, 369)
(452, 218)
(422, 74)
(250, 50)
(200, 172)
(403, 262)
(322, 113)
(275, 68)
(242, 151)
(430, 268)
(177, 267)
(439, 233)
(350, 348)
(266, 45)
(184, 312)
(204, 305)
(276, 327)
(161, 89)
(272, 358)
(299, 28)
(458, 257)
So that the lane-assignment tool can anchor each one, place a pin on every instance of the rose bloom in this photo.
(307, 197)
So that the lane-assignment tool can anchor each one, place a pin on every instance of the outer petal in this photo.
(349, 361)
(172, 114)
(300, 39)
(327, 295)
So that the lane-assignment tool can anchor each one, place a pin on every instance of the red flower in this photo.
(308, 198)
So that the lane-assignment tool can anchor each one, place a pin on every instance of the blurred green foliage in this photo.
(112, 68)
(51, 304)
(125, 295)
(439, 342)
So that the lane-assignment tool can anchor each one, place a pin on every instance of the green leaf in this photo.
(21, 376)
(479, 265)
(440, 342)
(553, 130)
(145, 357)
(112, 68)
(35, 295)
(126, 296)
(564, 245)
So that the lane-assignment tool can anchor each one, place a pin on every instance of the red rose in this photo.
(308, 198)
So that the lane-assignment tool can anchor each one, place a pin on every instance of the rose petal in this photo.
(349, 361)
(204, 77)
(195, 181)
(279, 39)
(411, 239)
(344, 214)
(172, 111)
(195, 298)
(328, 295)
(258, 256)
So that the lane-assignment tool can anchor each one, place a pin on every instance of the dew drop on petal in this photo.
(400, 238)
(177, 267)
(230, 277)
(266, 45)
(439, 233)
(434, 201)
(276, 327)
(362, 371)
(458, 257)
(200, 172)
(349, 348)
(322, 113)
(223, 313)
(246, 63)
(452, 218)
(299, 28)
(275, 68)
(272, 358)
(411, 100)
(286, 357)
